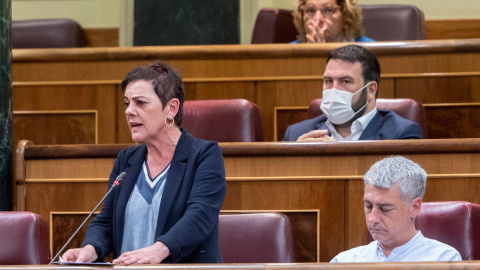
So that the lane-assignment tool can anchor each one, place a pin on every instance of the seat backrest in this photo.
(256, 238)
(381, 23)
(47, 33)
(274, 25)
(405, 107)
(24, 239)
(223, 120)
(454, 223)
(393, 22)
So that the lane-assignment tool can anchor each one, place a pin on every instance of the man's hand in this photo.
(319, 135)
(153, 254)
(87, 254)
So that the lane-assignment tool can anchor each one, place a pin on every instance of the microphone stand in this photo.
(114, 185)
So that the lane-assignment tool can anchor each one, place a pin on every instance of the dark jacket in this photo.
(192, 198)
(385, 125)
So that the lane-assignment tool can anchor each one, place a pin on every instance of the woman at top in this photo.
(320, 21)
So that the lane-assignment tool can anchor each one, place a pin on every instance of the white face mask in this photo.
(337, 105)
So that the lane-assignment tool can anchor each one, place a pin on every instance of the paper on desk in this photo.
(62, 261)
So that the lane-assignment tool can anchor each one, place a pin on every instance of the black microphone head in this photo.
(119, 179)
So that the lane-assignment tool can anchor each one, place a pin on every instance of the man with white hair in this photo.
(394, 188)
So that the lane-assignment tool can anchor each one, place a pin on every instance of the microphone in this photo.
(115, 184)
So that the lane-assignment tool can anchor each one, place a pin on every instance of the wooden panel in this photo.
(304, 223)
(285, 116)
(101, 37)
(307, 234)
(271, 75)
(55, 127)
(288, 176)
(238, 61)
(268, 94)
(272, 195)
(355, 230)
(439, 89)
(219, 90)
(453, 120)
(453, 28)
(461, 265)
(282, 93)
(62, 227)
(65, 96)
(386, 88)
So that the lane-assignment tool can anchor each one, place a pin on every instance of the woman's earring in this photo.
(168, 119)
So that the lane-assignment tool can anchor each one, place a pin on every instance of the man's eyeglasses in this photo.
(327, 11)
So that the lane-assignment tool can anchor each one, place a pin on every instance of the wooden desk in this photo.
(78, 89)
(465, 265)
(60, 181)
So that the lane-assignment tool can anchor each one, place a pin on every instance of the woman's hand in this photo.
(87, 254)
(153, 254)
(315, 34)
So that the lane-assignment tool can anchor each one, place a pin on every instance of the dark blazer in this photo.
(192, 198)
(385, 125)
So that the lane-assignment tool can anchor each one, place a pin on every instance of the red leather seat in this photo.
(393, 22)
(47, 33)
(274, 25)
(405, 107)
(256, 238)
(223, 120)
(381, 23)
(24, 239)
(454, 223)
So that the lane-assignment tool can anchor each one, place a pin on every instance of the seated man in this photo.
(394, 188)
(350, 88)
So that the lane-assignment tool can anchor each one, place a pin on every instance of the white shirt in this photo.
(357, 128)
(418, 249)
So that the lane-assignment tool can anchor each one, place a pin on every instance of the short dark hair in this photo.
(354, 54)
(165, 81)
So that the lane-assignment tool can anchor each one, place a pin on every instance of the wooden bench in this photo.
(319, 186)
(77, 90)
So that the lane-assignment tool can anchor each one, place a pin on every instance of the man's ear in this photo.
(416, 206)
(372, 90)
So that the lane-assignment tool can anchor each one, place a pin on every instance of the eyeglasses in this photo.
(327, 11)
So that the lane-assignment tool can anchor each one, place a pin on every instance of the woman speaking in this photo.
(166, 209)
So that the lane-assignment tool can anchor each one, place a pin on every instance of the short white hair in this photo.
(397, 170)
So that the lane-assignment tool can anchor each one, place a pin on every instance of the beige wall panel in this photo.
(443, 9)
(89, 13)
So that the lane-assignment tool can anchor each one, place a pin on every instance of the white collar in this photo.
(357, 127)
